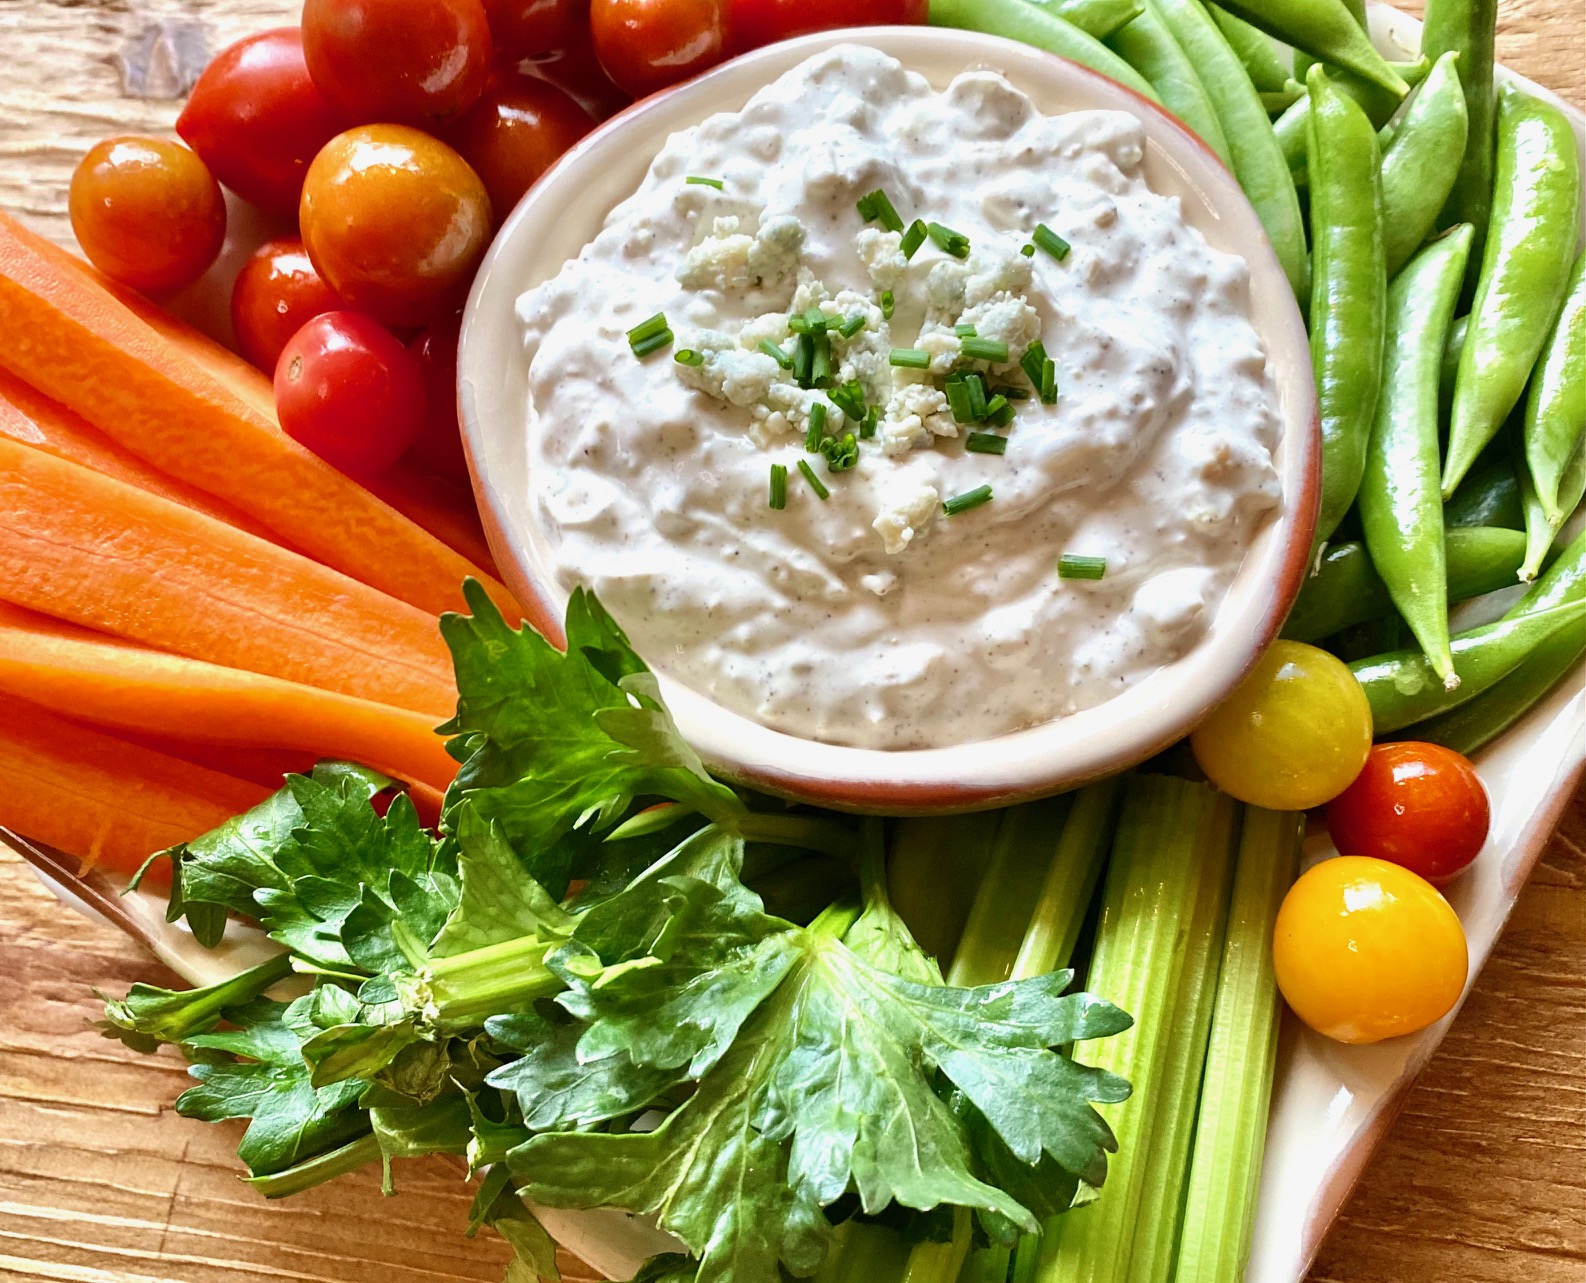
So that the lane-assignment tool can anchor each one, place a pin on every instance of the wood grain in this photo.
(1483, 1179)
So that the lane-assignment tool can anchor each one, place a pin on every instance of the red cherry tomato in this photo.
(763, 22)
(351, 393)
(1419, 805)
(440, 442)
(513, 134)
(147, 213)
(646, 45)
(257, 120)
(577, 71)
(276, 294)
(408, 62)
(532, 28)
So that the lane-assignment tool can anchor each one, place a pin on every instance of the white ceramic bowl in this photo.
(566, 209)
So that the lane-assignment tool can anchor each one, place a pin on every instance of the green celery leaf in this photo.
(411, 1131)
(147, 1016)
(499, 901)
(534, 1251)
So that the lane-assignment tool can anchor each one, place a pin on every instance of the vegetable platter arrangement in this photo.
(1039, 1043)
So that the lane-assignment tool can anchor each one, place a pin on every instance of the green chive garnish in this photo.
(1045, 238)
(910, 358)
(993, 350)
(964, 331)
(821, 364)
(776, 353)
(697, 181)
(958, 401)
(644, 347)
(1011, 392)
(949, 241)
(976, 387)
(1028, 251)
(687, 356)
(803, 360)
(852, 325)
(985, 443)
(914, 238)
(798, 324)
(887, 304)
(877, 207)
(842, 453)
(964, 502)
(817, 428)
(779, 486)
(867, 429)
(650, 336)
(850, 399)
(821, 492)
(1041, 370)
(1070, 566)
(999, 411)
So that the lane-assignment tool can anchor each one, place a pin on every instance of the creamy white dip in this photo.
(872, 618)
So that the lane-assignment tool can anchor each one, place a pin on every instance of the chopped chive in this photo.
(950, 242)
(976, 387)
(850, 399)
(958, 401)
(779, 486)
(803, 359)
(821, 492)
(1072, 566)
(798, 324)
(1028, 251)
(648, 329)
(1041, 371)
(999, 411)
(993, 350)
(817, 320)
(877, 207)
(985, 443)
(964, 502)
(867, 429)
(842, 453)
(821, 365)
(644, 347)
(914, 238)
(1048, 381)
(964, 331)
(910, 358)
(776, 353)
(687, 356)
(697, 181)
(1045, 238)
(817, 428)
(1011, 392)
(887, 304)
(852, 325)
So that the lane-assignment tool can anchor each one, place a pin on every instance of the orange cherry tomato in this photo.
(1419, 805)
(1366, 950)
(515, 132)
(646, 45)
(577, 71)
(147, 213)
(439, 447)
(275, 295)
(412, 62)
(532, 28)
(395, 222)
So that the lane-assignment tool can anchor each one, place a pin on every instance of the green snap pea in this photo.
(1555, 412)
(1421, 163)
(1401, 508)
(1535, 222)
(1257, 160)
(1402, 689)
(1541, 528)
(1452, 350)
(1149, 47)
(1470, 29)
(1324, 29)
(1279, 102)
(1489, 496)
(1098, 18)
(1267, 71)
(1349, 296)
(1292, 127)
(1303, 61)
(1482, 719)
(1022, 21)
(1347, 590)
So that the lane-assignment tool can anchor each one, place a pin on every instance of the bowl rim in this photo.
(1159, 709)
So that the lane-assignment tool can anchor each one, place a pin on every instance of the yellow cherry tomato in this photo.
(1293, 735)
(1366, 950)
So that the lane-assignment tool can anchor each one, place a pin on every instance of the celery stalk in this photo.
(933, 872)
(1026, 838)
(862, 1253)
(1178, 1097)
(941, 1262)
(1231, 1130)
(1148, 904)
(1071, 879)
(986, 1265)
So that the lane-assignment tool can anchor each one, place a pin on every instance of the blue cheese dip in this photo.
(889, 603)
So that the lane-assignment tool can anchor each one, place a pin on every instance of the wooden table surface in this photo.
(1483, 1179)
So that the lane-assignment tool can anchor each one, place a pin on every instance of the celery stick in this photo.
(862, 1253)
(1231, 1130)
(1026, 838)
(1178, 1097)
(1148, 903)
(941, 1262)
(986, 1265)
(1070, 882)
(933, 872)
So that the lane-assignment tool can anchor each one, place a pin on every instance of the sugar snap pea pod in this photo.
(1535, 222)
(1346, 589)
(1303, 61)
(1349, 296)
(1541, 529)
(1470, 29)
(1421, 163)
(1489, 496)
(1452, 350)
(1487, 716)
(1258, 163)
(1277, 103)
(1401, 509)
(1324, 29)
(1020, 20)
(1555, 412)
(1292, 127)
(1098, 18)
(1402, 689)
(1267, 71)
(1149, 47)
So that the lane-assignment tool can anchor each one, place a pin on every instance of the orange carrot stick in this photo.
(104, 800)
(86, 548)
(128, 688)
(81, 345)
